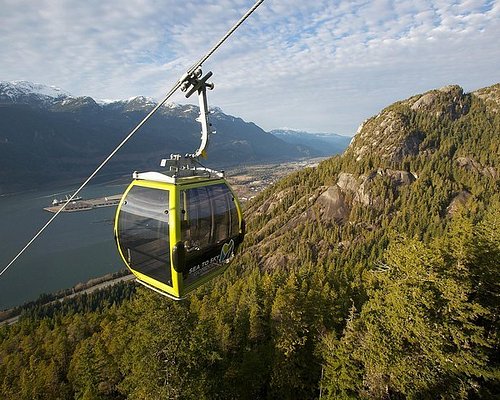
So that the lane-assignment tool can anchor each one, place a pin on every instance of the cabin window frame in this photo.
(147, 217)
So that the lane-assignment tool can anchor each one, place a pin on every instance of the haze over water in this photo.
(75, 248)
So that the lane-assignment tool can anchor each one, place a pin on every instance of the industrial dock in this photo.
(84, 205)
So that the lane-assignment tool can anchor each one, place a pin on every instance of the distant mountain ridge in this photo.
(325, 144)
(24, 92)
(46, 134)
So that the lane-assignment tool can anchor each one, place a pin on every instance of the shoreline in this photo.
(247, 181)
(87, 205)
(11, 316)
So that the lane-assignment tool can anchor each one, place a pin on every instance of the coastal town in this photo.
(248, 181)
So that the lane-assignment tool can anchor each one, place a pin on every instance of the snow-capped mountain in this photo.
(56, 99)
(65, 137)
(137, 103)
(28, 92)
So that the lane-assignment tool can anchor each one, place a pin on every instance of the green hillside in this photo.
(373, 276)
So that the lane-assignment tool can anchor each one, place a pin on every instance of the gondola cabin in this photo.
(176, 232)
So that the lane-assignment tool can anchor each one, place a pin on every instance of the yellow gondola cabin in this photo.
(176, 231)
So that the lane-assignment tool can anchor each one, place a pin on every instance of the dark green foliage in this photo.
(423, 333)
(398, 299)
(81, 303)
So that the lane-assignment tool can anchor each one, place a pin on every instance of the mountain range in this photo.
(323, 144)
(47, 135)
(374, 275)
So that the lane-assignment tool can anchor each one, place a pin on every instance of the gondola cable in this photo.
(190, 76)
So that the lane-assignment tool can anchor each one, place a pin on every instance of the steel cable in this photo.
(138, 126)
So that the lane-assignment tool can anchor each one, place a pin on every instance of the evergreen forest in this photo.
(372, 276)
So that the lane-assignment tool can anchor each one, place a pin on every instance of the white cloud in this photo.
(323, 65)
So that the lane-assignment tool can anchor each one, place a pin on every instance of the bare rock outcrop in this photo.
(491, 97)
(458, 201)
(335, 203)
(388, 135)
(472, 165)
(449, 101)
(332, 202)
(392, 135)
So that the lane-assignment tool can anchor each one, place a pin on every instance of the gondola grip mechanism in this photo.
(196, 83)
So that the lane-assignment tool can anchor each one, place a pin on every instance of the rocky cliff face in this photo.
(442, 145)
(448, 102)
(490, 96)
(391, 134)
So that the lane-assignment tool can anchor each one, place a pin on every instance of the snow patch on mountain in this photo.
(105, 102)
(57, 99)
(18, 89)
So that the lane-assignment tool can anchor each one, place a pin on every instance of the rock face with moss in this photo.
(427, 142)
(392, 134)
(372, 276)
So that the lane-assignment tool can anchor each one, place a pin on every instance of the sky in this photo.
(318, 66)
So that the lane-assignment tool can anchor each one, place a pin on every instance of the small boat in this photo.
(57, 202)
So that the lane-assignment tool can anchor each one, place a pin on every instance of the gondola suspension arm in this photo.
(200, 85)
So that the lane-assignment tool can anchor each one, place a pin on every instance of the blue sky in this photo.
(321, 66)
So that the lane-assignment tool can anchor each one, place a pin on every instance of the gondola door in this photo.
(145, 224)
(210, 231)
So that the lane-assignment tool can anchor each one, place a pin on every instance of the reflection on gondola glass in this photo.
(209, 220)
(143, 232)
(209, 216)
